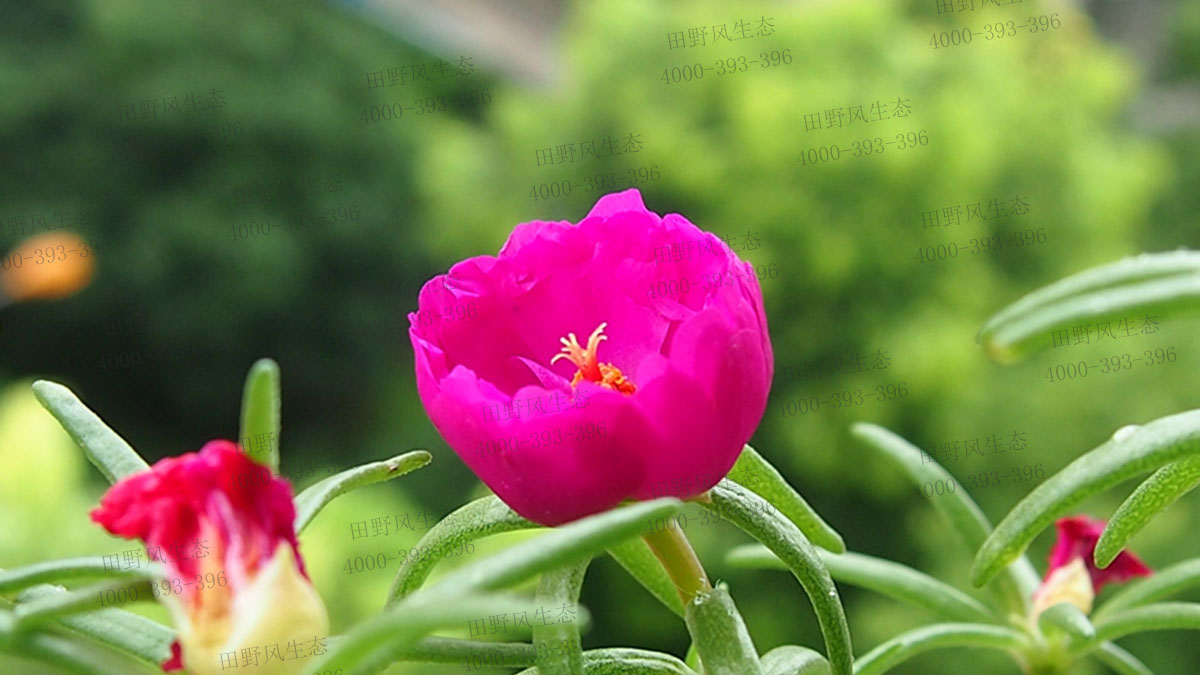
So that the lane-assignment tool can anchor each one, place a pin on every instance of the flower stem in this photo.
(672, 549)
(1049, 659)
(1046, 669)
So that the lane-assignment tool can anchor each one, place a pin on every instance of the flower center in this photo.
(589, 367)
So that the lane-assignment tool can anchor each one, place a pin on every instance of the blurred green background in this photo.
(1094, 125)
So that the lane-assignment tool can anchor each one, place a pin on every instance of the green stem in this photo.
(559, 651)
(671, 547)
(1051, 658)
(1047, 669)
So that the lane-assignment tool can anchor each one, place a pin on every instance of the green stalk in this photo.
(680, 561)
(1048, 659)
(718, 632)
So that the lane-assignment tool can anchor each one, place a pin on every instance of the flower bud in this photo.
(219, 526)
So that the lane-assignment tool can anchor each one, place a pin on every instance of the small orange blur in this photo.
(46, 267)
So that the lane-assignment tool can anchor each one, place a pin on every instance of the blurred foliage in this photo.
(1040, 115)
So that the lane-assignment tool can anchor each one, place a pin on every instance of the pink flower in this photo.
(1072, 575)
(212, 517)
(1077, 537)
(659, 400)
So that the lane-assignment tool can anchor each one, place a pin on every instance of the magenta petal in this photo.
(560, 479)
(689, 450)
(629, 200)
(175, 662)
(218, 489)
(1077, 538)
(696, 351)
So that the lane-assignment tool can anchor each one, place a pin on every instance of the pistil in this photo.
(588, 364)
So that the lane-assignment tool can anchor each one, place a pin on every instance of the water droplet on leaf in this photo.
(1125, 432)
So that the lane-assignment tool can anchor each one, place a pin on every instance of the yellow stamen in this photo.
(589, 366)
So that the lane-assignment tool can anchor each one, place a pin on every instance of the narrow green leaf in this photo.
(627, 661)
(483, 517)
(103, 447)
(137, 636)
(637, 559)
(387, 637)
(474, 652)
(760, 520)
(1159, 283)
(1016, 586)
(757, 556)
(80, 658)
(755, 473)
(36, 607)
(558, 646)
(939, 636)
(391, 633)
(1130, 452)
(260, 413)
(892, 579)
(311, 501)
(1066, 619)
(1121, 661)
(1161, 584)
(793, 660)
(1161, 616)
(1144, 267)
(720, 634)
(563, 545)
(67, 569)
(1151, 498)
